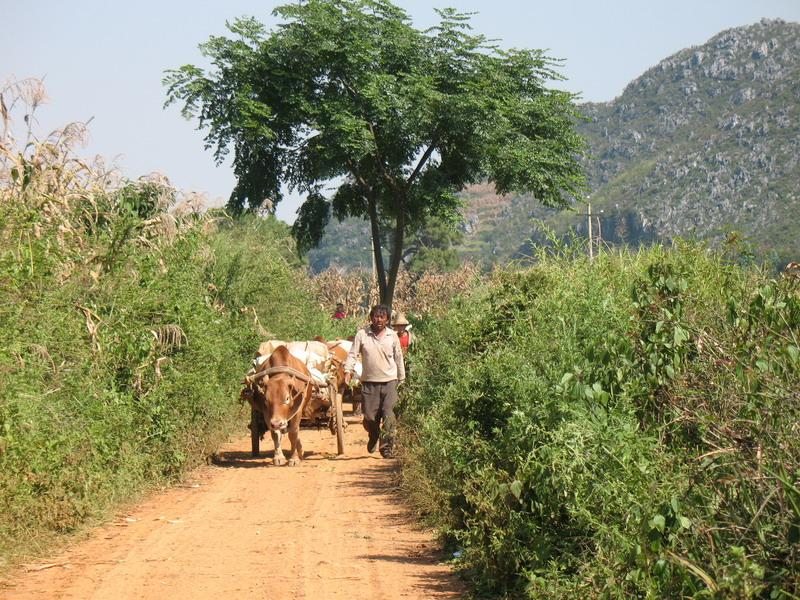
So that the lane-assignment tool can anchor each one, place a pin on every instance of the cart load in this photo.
(292, 382)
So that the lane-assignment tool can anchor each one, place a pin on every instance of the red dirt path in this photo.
(330, 528)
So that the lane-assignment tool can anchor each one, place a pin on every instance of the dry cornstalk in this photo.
(420, 294)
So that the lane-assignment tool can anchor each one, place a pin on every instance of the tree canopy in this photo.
(348, 104)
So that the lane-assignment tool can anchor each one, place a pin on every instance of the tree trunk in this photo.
(397, 249)
(380, 271)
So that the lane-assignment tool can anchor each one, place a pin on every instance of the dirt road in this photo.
(330, 528)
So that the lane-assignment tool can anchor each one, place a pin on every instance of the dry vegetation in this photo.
(418, 294)
(122, 335)
(64, 197)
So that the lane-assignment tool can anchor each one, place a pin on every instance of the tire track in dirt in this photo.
(330, 528)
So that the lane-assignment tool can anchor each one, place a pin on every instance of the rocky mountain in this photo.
(704, 144)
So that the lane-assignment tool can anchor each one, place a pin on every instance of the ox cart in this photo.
(329, 414)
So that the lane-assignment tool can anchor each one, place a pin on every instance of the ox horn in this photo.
(256, 375)
(252, 378)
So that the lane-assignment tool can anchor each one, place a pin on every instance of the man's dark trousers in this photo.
(379, 399)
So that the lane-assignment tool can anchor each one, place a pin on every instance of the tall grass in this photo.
(623, 427)
(127, 318)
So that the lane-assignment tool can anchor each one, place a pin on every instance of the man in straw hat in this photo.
(402, 327)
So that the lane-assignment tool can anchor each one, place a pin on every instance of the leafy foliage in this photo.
(399, 120)
(126, 322)
(623, 427)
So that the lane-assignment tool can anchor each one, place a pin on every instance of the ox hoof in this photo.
(293, 462)
(278, 462)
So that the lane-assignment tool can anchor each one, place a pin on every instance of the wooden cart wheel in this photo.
(339, 416)
(255, 430)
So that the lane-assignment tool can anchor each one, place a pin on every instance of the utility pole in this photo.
(599, 231)
(588, 214)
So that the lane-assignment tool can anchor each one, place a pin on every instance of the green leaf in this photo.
(658, 523)
(516, 488)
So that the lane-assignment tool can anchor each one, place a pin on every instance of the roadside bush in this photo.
(613, 428)
(127, 319)
(114, 380)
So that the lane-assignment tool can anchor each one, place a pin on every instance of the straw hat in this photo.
(400, 319)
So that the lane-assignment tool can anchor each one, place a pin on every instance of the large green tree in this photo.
(348, 104)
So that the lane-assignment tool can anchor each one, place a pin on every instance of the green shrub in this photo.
(614, 428)
(124, 334)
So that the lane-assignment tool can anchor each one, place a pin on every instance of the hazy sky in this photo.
(104, 60)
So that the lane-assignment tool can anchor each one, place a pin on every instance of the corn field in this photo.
(418, 294)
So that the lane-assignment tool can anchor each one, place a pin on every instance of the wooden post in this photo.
(599, 231)
(591, 242)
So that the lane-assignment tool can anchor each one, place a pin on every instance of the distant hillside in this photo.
(707, 140)
(704, 143)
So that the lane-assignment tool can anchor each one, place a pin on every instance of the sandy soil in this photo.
(330, 528)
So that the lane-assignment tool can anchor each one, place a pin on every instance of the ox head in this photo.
(284, 396)
(247, 394)
(281, 384)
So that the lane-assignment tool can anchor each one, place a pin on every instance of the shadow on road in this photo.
(240, 460)
(245, 460)
(382, 477)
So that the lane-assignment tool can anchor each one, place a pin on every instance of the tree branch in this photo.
(379, 159)
(421, 164)
(359, 178)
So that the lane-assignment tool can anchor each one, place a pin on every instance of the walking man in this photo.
(382, 370)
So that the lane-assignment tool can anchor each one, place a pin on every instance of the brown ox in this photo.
(282, 391)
